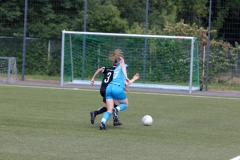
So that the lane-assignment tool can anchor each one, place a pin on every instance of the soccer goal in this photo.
(164, 62)
(8, 69)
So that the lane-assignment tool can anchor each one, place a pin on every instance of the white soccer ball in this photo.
(147, 120)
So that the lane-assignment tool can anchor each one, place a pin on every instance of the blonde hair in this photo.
(116, 56)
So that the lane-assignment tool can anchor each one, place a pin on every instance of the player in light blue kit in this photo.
(115, 89)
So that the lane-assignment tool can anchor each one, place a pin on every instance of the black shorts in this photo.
(103, 92)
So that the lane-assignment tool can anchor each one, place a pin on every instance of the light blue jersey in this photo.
(118, 76)
(115, 90)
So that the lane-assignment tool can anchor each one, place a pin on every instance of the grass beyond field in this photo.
(45, 123)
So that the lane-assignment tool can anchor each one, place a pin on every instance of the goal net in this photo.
(164, 62)
(8, 69)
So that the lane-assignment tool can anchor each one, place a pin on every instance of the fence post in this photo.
(208, 45)
(145, 44)
(84, 39)
(24, 39)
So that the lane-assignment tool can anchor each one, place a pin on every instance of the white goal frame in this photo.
(192, 39)
(8, 69)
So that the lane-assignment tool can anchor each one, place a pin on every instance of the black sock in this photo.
(100, 110)
(115, 105)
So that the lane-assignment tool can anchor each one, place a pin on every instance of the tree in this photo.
(159, 12)
(219, 60)
(11, 13)
(105, 17)
(226, 19)
(46, 18)
(192, 11)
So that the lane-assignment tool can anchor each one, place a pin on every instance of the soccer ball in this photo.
(147, 120)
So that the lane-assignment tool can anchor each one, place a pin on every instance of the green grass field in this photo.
(47, 123)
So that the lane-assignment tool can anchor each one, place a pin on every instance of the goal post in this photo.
(164, 62)
(8, 69)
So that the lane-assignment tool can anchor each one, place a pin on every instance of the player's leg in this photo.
(110, 106)
(123, 104)
(107, 114)
(100, 110)
(115, 103)
(120, 96)
(122, 100)
(116, 122)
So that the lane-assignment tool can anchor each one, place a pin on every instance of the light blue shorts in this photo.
(115, 92)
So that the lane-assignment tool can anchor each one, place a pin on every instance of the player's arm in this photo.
(124, 69)
(135, 77)
(95, 74)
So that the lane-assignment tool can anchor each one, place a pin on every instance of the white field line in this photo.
(148, 93)
(193, 96)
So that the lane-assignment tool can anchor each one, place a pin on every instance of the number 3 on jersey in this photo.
(106, 80)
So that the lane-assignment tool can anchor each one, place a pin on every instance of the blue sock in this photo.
(105, 117)
(122, 107)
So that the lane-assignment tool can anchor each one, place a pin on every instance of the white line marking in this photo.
(184, 95)
(236, 158)
(159, 94)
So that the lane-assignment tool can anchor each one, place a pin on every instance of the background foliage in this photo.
(47, 18)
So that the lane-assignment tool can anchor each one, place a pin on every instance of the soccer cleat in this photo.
(92, 114)
(115, 114)
(117, 123)
(102, 126)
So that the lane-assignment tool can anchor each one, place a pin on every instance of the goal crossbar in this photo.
(128, 35)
